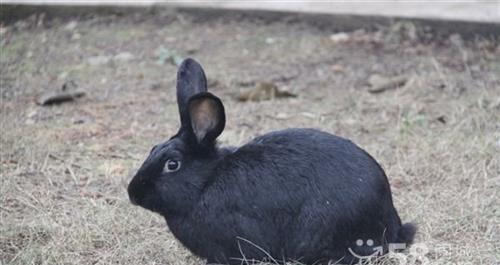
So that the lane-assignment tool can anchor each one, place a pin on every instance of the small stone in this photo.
(63, 75)
(213, 83)
(3, 30)
(495, 104)
(98, 60)
(124, 57)
(76, 36)
(192, 50)
(282, 116)
(71, 25)
(31, 114)
(270, 40)
(69, 85)
(309, 115)
(456, 40)
(338, 68)
(339, 37)
(155, 86)
(80, 120)
(475, 68)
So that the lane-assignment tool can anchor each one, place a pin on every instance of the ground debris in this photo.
(340, 37)
(71, 25)
(76, 174)
(123, 57)
(165, 55)
(69, 92)
(404, 30)
(98, 60)
(338, 68)
(380, 83)
(441, 119)
(264, 91)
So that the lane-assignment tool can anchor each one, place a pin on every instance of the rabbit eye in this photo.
(172, 165)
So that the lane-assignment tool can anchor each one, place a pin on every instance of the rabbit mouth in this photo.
(136, 192)
(144, 202)
(133, 200)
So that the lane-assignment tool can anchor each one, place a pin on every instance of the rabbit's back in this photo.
(303, 163)
(297, 193)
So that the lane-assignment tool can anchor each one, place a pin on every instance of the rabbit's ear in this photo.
(206, 113)
(191, 80)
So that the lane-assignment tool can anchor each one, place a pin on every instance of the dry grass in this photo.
(63, 197)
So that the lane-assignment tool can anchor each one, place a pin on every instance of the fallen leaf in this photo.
(380, 83)
(69, 92)
(264, 91)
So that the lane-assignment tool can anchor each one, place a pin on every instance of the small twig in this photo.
(64, 161)
(120, 156)
(72, 174)
(44, 165)
(276, 118)
(244, 258)
(51, 183)
(440, 71)
(5, 209)
(257, 247)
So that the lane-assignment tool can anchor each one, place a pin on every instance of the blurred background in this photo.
(470, 10)
(88, 87)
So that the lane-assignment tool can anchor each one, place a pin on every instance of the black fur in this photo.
(191, 80)
(295, 194)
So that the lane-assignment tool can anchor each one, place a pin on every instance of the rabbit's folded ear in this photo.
(206, 113)
(191, 80)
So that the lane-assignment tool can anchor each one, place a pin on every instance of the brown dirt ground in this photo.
(64, 168)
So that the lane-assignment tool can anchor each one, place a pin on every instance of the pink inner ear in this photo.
(203, 114)
(202, 125)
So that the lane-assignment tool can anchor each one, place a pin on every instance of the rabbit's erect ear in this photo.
(207, 117)
(191, 80)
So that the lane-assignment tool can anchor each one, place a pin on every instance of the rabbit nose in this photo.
(134, 191)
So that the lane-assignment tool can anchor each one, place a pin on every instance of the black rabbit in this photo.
(295, 194)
